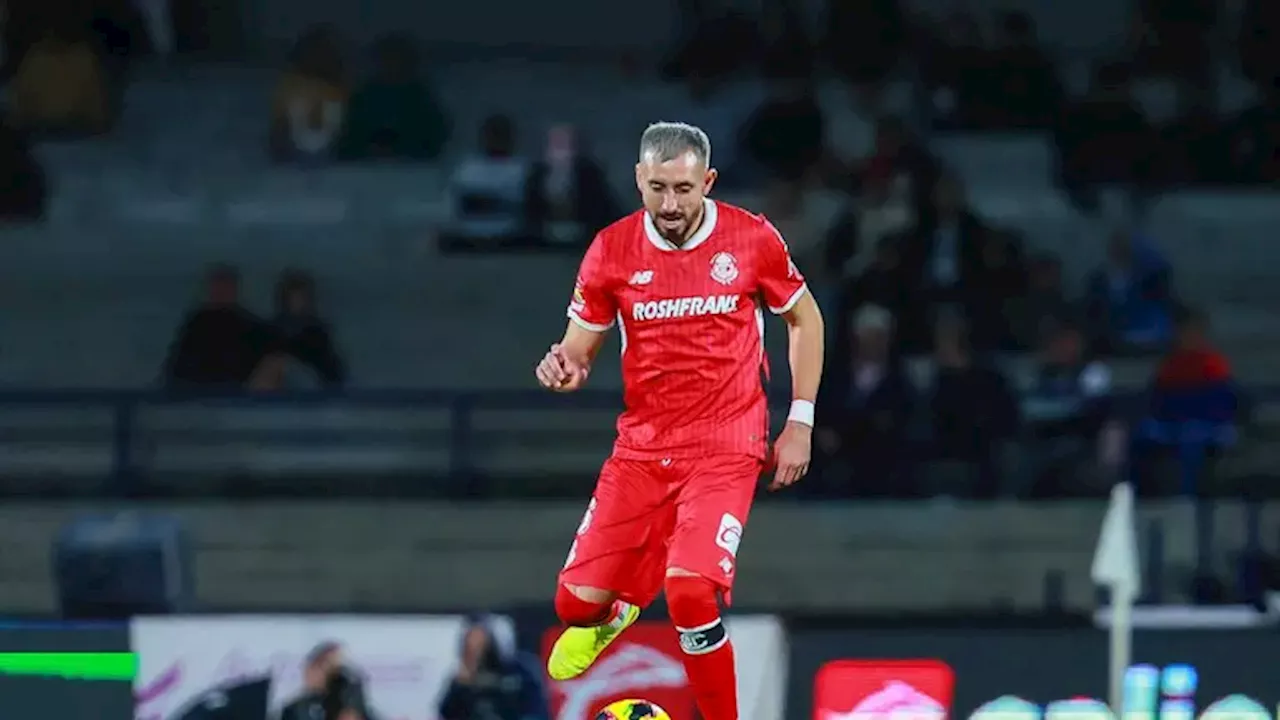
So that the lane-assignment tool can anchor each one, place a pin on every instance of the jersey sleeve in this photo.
(780, 280)
(593, 306)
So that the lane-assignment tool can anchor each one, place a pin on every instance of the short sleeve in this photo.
(780, 280)
(593, 306)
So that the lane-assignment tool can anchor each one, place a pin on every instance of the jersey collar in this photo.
(709, 213)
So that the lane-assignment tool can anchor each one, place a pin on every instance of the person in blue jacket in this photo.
(494, 681)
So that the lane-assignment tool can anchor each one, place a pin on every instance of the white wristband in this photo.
(801, 412)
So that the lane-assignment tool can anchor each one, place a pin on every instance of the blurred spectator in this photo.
(303, 336)
(972, 413)
(24, 188)
(1067, 412)
(220, 344)
(784, 137)
(1103, 138)
(60, 88)
(1002, 284)
(866, 405)
(394, 115)
(1129, 297)
(882, 284)
(493, 681)
(1192, 411)
(330, 689)
(944, 260)
(902, 165)
(1023, 89)
(1045, 302)
(573, 199)
(493, 198)
(864, 42)
(954, 69)
(310, 103)
(1253, 142)
(1257, 42)
(1173, 41)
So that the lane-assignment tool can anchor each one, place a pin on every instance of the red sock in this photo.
(576, 612)
(708, 654)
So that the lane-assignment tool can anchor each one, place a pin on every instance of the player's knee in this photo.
(694, 607)
(580, 612)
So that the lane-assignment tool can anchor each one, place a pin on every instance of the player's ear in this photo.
(639, 182)
(709, 180)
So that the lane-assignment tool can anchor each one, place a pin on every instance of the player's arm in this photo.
(806, 334)
(592, 311)
(786, 294)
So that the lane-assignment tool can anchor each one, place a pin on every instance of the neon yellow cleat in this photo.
(578, 647)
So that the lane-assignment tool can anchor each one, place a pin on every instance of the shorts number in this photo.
(582, 527)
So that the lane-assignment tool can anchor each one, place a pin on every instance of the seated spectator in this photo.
(220, 345)
(1192, 411)
(1003, 284)
(903, 165)
(972, 413)
(395, 116)
(1069, 420)
(881, 284)
(1129, 298)
(943, 261)
(878, 215)
(303, 337)
(954, 68)
(310, 103)
(866, 406)
(1025, 92)
(1103, 138)
(24, 188)
(573, 199)
(493, 200)
(1045, 302)
(60, 89)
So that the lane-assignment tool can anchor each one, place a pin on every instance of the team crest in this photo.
(724, 268)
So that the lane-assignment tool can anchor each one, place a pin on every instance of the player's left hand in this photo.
(791, 455)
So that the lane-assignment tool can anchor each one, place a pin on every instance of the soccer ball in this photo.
(633, 710)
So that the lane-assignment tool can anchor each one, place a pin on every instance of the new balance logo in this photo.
(642, 277)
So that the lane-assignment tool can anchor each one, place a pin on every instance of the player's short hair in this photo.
(670, 140)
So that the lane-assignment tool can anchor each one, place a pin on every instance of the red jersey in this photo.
(692, 326)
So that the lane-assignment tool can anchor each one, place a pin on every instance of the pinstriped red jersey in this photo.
(692, 325)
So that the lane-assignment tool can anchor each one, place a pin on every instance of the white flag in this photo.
(1116, 565)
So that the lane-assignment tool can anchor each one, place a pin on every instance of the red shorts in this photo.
(649, 515)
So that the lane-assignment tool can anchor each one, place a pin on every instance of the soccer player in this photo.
(686, 279)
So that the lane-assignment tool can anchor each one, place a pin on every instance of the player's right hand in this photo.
(558, 373)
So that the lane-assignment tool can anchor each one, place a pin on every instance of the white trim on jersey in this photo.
(791, 301)
(709, 214)
(593, 327)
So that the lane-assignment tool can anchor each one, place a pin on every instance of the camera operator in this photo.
(332, 691)
(494, 681)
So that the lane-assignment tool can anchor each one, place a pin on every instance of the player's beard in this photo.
(676, 227)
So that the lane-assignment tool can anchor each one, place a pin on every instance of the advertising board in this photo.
(1028, 674)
